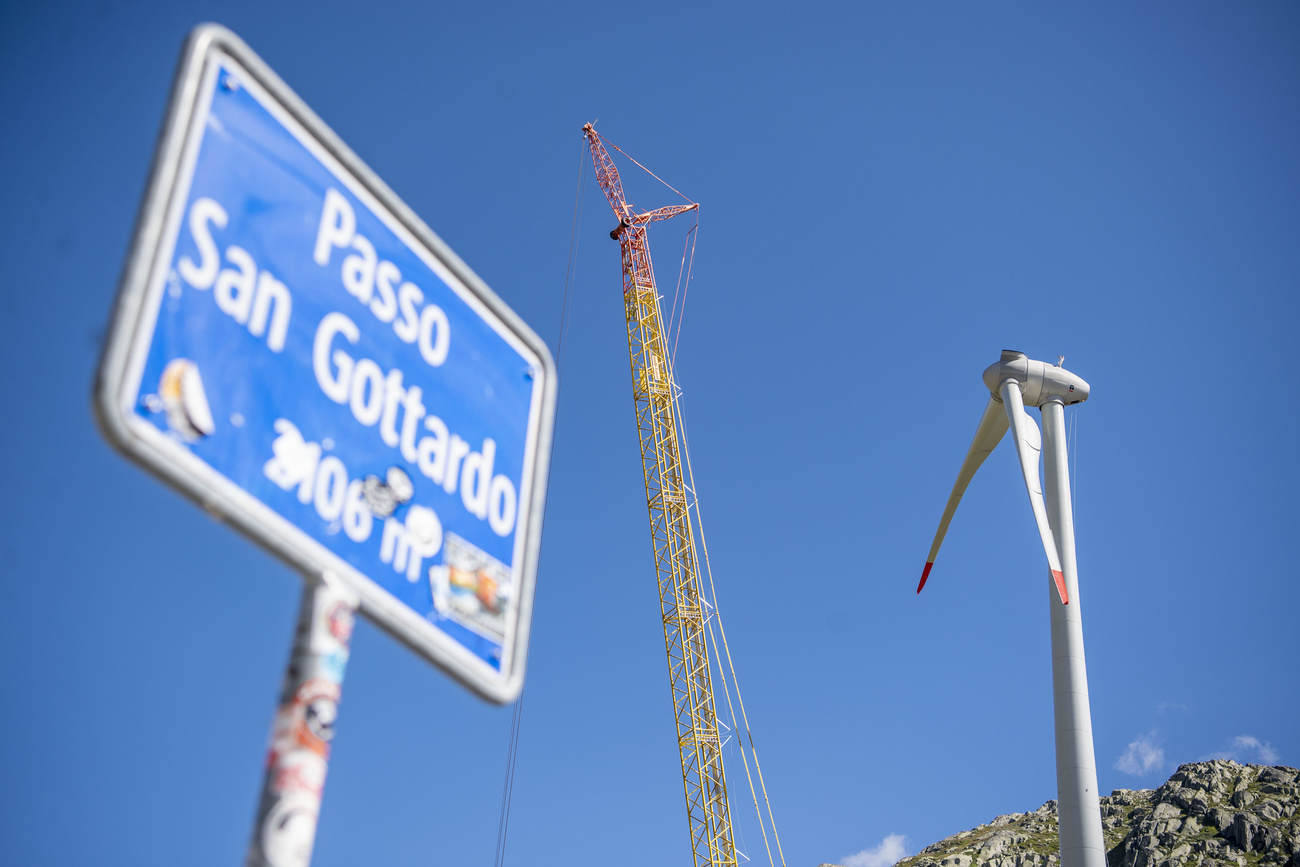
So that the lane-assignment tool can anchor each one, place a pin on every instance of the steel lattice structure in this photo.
(671, 529)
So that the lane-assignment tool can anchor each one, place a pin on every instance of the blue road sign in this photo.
(301, 354)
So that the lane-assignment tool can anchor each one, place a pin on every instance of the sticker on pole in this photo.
(297, 351)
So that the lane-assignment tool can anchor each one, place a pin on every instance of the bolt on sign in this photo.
(296, 350)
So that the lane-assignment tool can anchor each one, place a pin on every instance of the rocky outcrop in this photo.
(1215, 814)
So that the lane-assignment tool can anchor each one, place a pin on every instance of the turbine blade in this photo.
(992, 427)
(1029, 445)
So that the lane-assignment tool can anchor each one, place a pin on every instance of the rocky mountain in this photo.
(1215, 814)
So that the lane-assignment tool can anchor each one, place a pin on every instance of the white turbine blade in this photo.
(1029, 444)
(993, 425)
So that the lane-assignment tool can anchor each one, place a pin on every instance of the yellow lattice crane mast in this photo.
(671, 531)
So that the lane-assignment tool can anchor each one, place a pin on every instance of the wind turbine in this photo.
(1014, 382)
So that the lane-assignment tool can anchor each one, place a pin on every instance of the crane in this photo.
(682, 600)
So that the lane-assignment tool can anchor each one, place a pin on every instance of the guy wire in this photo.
(512, 746)
(512, 751)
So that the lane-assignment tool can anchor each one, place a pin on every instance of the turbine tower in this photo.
(1014, 382)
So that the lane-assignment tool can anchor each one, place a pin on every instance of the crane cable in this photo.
(512, 745)
(692, 236)
(646, 170)
(734, 681)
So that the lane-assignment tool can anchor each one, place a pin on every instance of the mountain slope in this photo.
(1215, 814)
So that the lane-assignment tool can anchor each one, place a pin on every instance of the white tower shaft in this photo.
(1078, 810)
(1016, 381)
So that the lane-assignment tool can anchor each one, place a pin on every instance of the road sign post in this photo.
(298, 754)
(295, 350)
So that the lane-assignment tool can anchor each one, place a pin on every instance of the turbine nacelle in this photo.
(1014, 382)
(1040, 382)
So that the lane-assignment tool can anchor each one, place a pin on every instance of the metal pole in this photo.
(1078, 810)
(298, 756)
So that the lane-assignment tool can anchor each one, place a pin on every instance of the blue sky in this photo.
(892, 194)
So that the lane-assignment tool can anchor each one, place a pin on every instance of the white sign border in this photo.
(117, 384)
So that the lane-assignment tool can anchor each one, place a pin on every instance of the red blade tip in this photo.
(925, 574)
(1060, 587)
